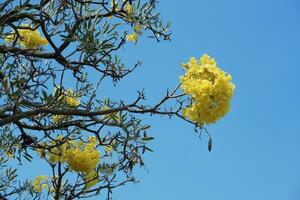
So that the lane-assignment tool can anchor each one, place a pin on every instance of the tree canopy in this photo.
(91, 143)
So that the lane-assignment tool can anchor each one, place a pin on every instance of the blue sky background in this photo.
(256, 146)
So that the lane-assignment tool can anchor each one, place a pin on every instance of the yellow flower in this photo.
(137, 28)
(41, 151)
(10, 38)
(109, 148)
(79, 156)
(132, 37)
(29, 39)
(93, 141)
(9, 154)
(91, 179)
(58, 118)
(210, 88)
(56, 154)
(39, 183)
(128, 8)
(69, 99)
(82, 159)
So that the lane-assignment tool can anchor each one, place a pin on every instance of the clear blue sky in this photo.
(256, 146)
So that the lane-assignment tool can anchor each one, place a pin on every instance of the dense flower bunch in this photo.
(91, 179)
(39, 183)
(79, 156)
(211, 90)
(66, 99)
(56, 154)
(69, 98)
(82, 157)
(28, 38)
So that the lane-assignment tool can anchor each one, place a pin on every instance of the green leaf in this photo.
(147, 138)
(148, 149)
(145, 127)
(209, 144)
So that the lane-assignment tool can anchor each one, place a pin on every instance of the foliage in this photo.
(91, 144)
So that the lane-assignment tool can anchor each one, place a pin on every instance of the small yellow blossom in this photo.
(56, 154)
(93, 140)
(132, 37)
(109, 148)
(9, 154)
(10, 38)
(91, 179)
(58, 118)
(29, 39)
(39, 183)
(41, 151)
(211, 90)
(128, 8)
(137, 28)
(69, 99)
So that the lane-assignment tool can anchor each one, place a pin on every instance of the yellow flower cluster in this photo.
(211, 90)
(68, 98)
(39, 183)
(137, 28)
(91, 179)
(29, 39)
(56, 154)
(128, 8)
(132, 37)
(9, 154)
(79, 156)
(83, 158)
(58, 118)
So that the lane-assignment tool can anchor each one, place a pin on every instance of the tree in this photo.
(49, 45)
